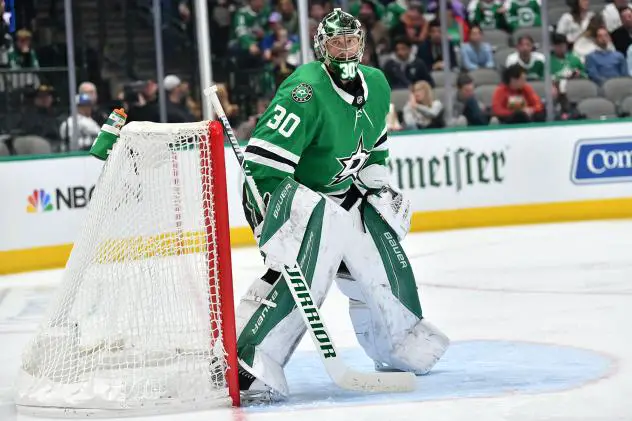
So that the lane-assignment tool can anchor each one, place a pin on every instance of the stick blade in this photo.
(376, 382)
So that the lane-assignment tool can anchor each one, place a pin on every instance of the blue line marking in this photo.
(469, 369)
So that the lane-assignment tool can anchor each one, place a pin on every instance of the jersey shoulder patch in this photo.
(303, 92)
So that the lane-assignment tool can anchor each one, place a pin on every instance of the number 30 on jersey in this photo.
(283, 122)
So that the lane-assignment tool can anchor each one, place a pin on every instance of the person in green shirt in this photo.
(355, 6)
(531, 61)
(565, 65)
(524, 14)
(488, 14)
(394, 11)
(249, 23)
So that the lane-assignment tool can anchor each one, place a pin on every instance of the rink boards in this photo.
(455, 179)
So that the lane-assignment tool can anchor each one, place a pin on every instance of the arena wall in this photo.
(455, 178)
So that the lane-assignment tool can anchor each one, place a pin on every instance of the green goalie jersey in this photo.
(319, 134)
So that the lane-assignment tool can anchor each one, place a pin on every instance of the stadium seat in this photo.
(539, 87)
(496, 37)
(500, 56)
(439, 77)
(439, 93)
(617, 89)
(626, 106)
(535, 33)
(485, 93)
(485, 77)
(399, 97)
(579, 89)
(556, 12)
(597, 108)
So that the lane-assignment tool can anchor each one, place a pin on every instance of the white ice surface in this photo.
(563, 284)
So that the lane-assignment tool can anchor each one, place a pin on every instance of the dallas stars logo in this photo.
(351, 164)
(302, 93)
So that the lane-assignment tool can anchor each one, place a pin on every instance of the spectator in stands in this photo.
(316, 10)
(488, 14)
(565, 65)
(279, 37)
(39, 124)
(587, 42)
(356, 5)
(6, 41)
(422, 111)
(289, 15)
(531, 61)
(458, 29)
(98, 114)
(394, 12)
(572, 24)
(523, 14)
(280, 68)
(430, 51)
(404, 68)
(177, 111)
(248, 26)
(466, 104)
(456, 6)
(477, 54)
(87, 128)
(603, 63)
(611, 14)
(514, 100)
(412, 24)
(23, 56)
(220, 26)
(245, 129)
(376, 32)
(622, 36)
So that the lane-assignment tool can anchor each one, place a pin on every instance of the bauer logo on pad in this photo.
(602, 161)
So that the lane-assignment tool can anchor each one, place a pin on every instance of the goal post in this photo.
(143, 321)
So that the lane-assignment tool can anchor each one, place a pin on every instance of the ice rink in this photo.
(540, 318)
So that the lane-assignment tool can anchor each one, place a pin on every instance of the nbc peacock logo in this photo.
(39, 201)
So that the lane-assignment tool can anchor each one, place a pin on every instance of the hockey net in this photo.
(143, 320)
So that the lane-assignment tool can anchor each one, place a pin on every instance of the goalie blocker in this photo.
(314, 230)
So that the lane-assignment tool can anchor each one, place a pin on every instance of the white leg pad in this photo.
(249, 302)
(267, 371)
(421, 349)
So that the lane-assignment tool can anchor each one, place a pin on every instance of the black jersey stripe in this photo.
(380, 141)
(256, 150)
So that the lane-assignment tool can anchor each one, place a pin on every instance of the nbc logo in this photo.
(39, 200)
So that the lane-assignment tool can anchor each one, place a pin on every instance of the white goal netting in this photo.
(136, 325)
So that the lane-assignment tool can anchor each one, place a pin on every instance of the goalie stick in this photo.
(343, 376)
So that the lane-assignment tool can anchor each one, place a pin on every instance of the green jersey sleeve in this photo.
(282, 133)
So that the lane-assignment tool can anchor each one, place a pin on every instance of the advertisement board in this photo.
(453, 178)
